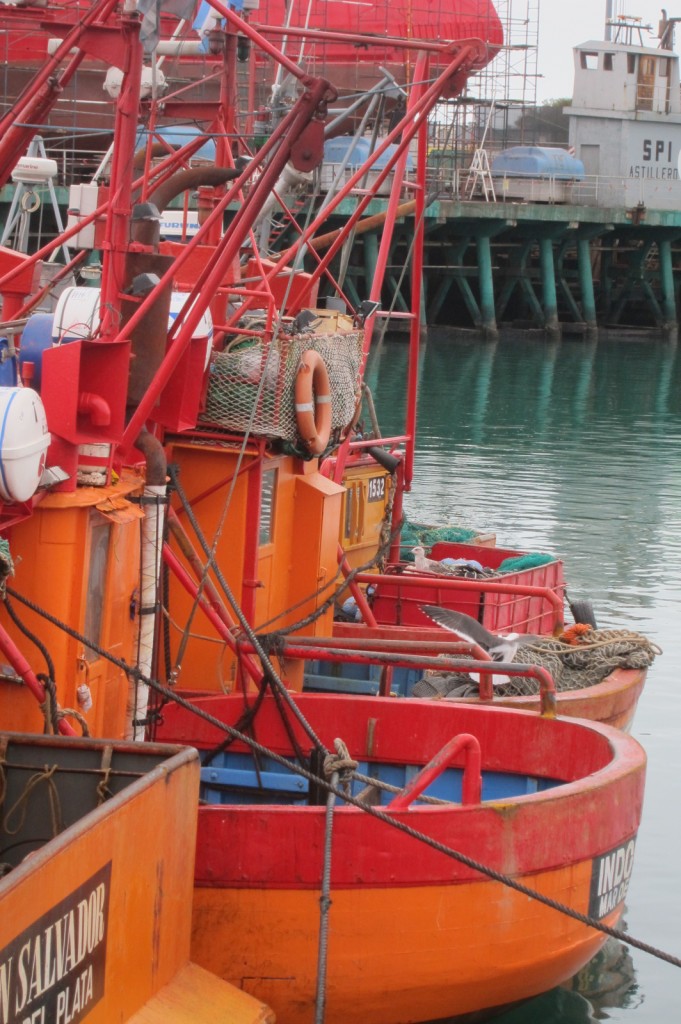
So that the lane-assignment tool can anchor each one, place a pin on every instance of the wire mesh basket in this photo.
(251, 385)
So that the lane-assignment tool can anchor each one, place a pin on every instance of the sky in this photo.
(564, 23)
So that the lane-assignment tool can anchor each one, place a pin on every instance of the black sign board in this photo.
(53, 972)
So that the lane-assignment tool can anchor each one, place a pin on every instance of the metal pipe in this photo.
(380, 645)
(404, 131)
(370, 41)
(488, 586)
(117, 236)
(471, 784)
(174, 158)
(547, 687)
(358, 594)
(608, 20)
(212, 276)
(417, 292)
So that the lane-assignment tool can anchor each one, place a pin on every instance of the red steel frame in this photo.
(117, 39)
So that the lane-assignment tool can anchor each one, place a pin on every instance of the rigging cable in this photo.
(374, 812)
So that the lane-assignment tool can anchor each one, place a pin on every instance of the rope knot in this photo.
(273, 644)
(340, 763)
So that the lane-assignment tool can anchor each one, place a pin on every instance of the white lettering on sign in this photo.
(376, 488)
(661, 173)
(610, 879)
(53, 972)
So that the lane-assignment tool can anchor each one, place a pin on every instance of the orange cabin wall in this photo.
(290, 568)
(51, 550)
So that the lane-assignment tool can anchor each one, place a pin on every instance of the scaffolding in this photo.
(494, 104)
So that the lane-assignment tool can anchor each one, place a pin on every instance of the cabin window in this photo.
(589, 60)
(646, 83)
(663, 67)
(267, 503)
(631, 63)
(349, 501)
(607, 61)
(100, 534)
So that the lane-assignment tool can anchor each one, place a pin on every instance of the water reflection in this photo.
(606, 983)
(575, 448)
(567, 445)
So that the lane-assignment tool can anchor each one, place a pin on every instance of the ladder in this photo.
(479, 180)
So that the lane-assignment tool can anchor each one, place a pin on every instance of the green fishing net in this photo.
(529, 561)
(414, 534)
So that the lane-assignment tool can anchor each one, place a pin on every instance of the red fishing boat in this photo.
(185, 498)
(412, 934)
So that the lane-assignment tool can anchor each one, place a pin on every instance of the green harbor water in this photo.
(574, 448)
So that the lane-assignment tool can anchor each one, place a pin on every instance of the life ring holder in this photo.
(30, 201)
(312, 396)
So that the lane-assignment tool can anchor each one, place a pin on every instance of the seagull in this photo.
(423, 564)
(498, 646)
(448, 567)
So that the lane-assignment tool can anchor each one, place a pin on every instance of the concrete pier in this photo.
(560, 269)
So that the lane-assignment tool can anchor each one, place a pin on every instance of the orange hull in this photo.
(612, 702)
(445, 944)
(413, 934)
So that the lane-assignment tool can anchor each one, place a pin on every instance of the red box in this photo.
(398, 604)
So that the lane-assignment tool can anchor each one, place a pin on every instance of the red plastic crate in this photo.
(399, 604)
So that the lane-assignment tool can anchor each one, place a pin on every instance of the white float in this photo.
(24, 440)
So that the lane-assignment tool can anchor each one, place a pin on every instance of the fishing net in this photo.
(518, 563)
(596, 654)
(413, 534)
(234, 389)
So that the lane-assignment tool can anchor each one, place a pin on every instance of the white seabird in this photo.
(499, 647)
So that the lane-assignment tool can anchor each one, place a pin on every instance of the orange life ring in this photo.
(313, 402)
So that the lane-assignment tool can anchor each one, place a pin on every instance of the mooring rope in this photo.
(374, 812)
(20, 806)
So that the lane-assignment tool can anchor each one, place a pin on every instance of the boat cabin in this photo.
(625, 122)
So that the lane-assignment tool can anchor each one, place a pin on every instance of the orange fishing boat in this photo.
(554, 804)
(186, 497)
(96, 901)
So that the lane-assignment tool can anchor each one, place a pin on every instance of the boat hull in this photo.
(612, 702)
(416, 935)
(95, 922)
(409, 954)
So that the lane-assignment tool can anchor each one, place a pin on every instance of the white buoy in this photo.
(24, 440)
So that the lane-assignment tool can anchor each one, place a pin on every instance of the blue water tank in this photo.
(35, 338)
(336, 148)
(177, 136)
(538, 162)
